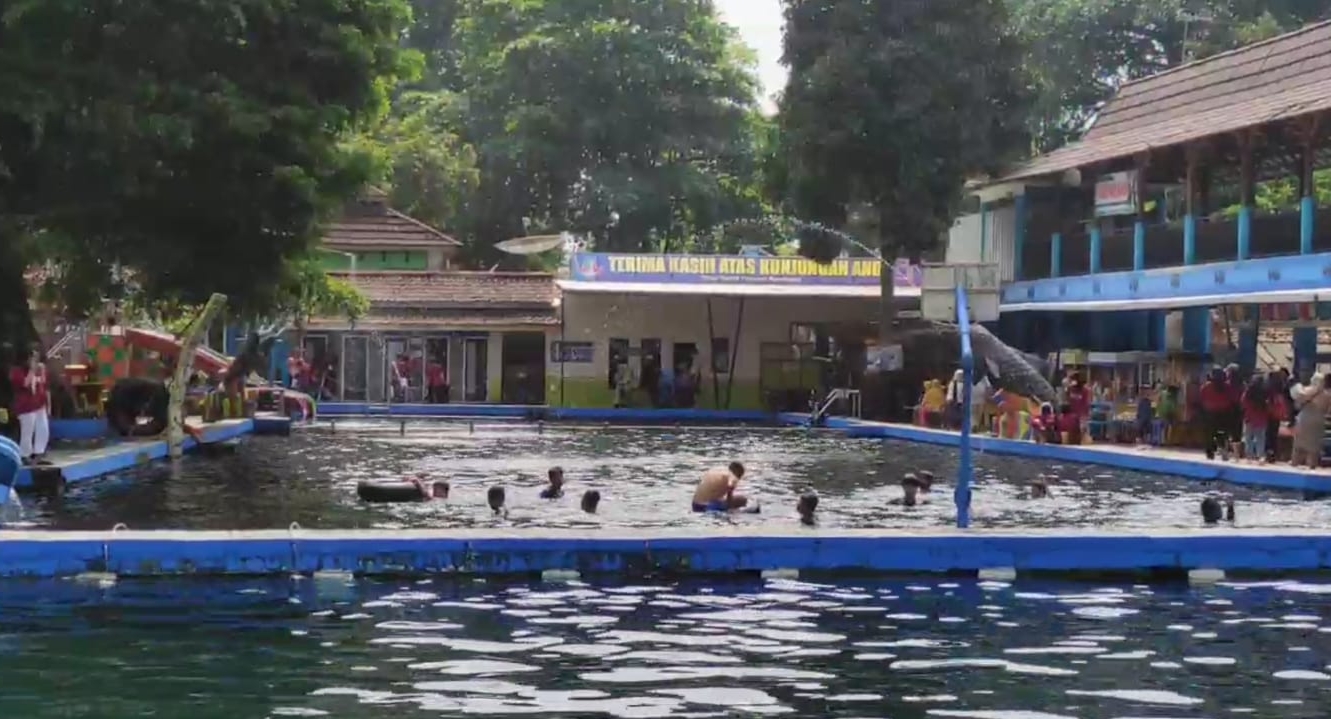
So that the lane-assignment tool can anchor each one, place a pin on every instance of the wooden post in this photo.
(189, 343)
(1141, 163)
(1305, 131)
(1247, 191)
(1193, 157)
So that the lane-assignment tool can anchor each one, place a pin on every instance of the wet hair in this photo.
(1212, 511)
(590, 499)
(737, 469)
(495, 498)
(806, 506)
(556, 474)
(910, 480)
(440, 490)
(1038, 489)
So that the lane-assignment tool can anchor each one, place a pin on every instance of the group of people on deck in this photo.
(1243, 419)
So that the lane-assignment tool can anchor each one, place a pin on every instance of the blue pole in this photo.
(1307, 220)
(1190, 240)
(1056, 254)
(1095, 250)
(964, 469)
(1245, 232)
(1139, 246)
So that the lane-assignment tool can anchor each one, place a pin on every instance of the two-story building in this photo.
(1186, 212)
(484, 333)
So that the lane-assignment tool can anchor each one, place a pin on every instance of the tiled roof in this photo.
(457, 290)
(372, 223)
(1282, 78)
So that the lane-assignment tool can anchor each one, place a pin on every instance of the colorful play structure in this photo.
(123, 353)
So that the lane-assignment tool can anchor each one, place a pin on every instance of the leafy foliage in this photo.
(196, 143)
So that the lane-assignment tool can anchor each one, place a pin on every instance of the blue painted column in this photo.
(1095, 249)
(1197, 330)
(1189, 240)
(1019, 234)
(1248, 343)
(1305, 352)
(1139, 245)
(1245, 232)
(1056, 254)
(1307, 224)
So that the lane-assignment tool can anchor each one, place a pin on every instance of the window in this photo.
(721, 355)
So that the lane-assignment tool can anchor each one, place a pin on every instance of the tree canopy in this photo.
(890, 108)
(194, 144)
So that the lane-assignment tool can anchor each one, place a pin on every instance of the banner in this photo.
(572, 352)
(735, 269)
(1116, 194)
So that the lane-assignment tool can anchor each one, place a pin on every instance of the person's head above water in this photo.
(1213, 512)
(590, 499)
(1037, 489)
(495, 498)
(737, 469)
(556, 477)
(806, 506)
(910, 489)
(926, 480)
(439, 490)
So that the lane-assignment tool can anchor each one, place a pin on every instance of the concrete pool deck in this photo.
(38, 554)
(1180, 463)
(73, 465)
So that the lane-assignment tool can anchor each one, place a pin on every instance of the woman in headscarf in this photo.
(1312, 401)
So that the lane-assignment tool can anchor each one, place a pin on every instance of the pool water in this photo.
(344, 648)
(646, 477)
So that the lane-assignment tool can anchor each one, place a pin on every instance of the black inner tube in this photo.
(384, 492)
(135, 397)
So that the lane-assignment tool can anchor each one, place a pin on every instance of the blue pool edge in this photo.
(511, 552)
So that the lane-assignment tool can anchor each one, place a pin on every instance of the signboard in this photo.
(736, 269)
(889, 358)
(572, 352)
(1116, 194)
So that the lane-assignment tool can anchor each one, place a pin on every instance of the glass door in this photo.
(475, 388)
(355, 375)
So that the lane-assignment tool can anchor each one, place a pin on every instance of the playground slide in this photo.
(205, 359)
(10, 464)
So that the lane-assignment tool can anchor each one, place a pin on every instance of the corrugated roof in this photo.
(370, 222)
(434, 290)
(1277, 79)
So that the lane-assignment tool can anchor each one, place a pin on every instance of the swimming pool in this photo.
(646, 476)
(431, 647)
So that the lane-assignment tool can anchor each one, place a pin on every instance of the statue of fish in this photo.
(939, 343)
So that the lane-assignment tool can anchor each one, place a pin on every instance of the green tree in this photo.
(630, 120)
(1081, 51)
(195, 144)
(889, 108)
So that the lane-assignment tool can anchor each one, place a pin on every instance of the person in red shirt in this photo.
(298, 369)
(437, 379)
(1215, 404)
(1079, 400)
(1256, 413)
(1069, 425)
(32, 405)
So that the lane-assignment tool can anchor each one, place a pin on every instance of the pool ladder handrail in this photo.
(834, 395)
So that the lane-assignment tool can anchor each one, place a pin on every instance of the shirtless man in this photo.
(716, 491)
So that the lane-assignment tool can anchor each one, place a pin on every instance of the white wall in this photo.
(596, 317)
(964, 240)
(988, 236)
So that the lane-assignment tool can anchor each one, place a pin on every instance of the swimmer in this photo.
(716, 491)
(495, 498)
(556, 488)
(434, 490)
(926, 480)
(1211, 511)
(807, 506)
(1037, 489)
(590, 499)
(910, 491)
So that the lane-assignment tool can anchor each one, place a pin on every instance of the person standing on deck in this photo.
(1214, 405)
(956, 398)
(1313, 402)
(1278, 412)
(1256, 414)
(1079, 400)
(32, 403)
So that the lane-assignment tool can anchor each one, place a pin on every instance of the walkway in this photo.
(1182, 463)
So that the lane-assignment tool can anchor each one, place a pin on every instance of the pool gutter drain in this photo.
(781, 574)
(1205, 576)
(998, 574)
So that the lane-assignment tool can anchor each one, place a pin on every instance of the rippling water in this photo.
(341, 648)
(645, 475)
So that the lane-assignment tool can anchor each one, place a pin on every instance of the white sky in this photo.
(759, 24)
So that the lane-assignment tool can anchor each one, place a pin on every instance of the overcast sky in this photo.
(759, 23)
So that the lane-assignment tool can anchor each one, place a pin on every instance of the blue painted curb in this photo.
(1145, 461)
(25, 554)
(79, 429)
(330, 410)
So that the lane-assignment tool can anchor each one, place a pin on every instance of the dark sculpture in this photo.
(926, 346)
(253, 356)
